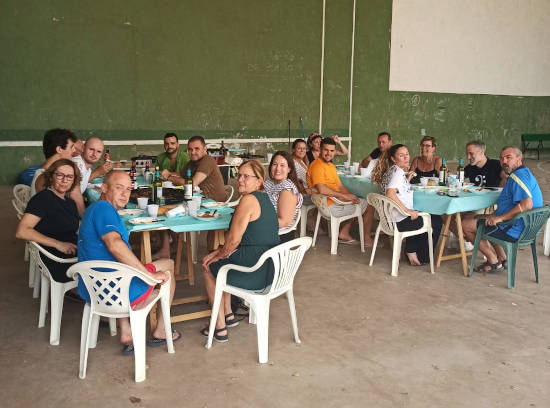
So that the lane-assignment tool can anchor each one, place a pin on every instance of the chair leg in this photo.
(511, 253)
(374, 245)
(84, 340)
(137, 324)
(94, 329)
(214, 316)
(37, 278)
(334, 230)
(361, 232)
(294, 320)
(57, 293)
(396, 254)
(303, 222)
(165, 305)
(431, 249)
(112, 326)
(44, 293)
(546, 239)
(479, 233)
(535, 260)
(261, 307)
(26, 255)
(316, 229)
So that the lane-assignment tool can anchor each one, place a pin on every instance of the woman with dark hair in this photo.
(253, 230)
(314, 145)
(428, 163)
(395, 183)
(299, 151)
(51, 218)
(283, 192)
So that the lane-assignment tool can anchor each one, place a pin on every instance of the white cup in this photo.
(352, 170)
(142, 202)
(193, 207)
(356, 164)
(346, 165)
(269, 157)
(153, 210)
(167, 184)
(424, 181)
(364, 171)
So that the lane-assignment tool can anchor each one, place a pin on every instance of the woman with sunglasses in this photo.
(428, 163)
(253, 230)
(51, 218)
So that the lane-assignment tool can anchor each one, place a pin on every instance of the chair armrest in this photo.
(337, 201)
(52, 256)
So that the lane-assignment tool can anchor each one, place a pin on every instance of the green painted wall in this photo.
(136, 69)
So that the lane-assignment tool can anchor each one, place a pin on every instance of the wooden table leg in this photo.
(146, 247)
(444, 235)
(177, 271)
(458, 220)
(190, 268)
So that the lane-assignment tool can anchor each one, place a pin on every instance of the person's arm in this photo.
(503, 178)
(392, 193)
(414, 164)
(286, 205)
(524, 205)
(343, 149)
(40, 183)
(118, 248)
(343, 194)
(101, 170)
(25, 230)
(76, 196)
(365, 162)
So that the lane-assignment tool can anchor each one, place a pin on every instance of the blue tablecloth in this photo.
(430, 202)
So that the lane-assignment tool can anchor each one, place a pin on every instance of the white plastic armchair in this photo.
(109, 297)
(384, 206)
(286, 260)
(49, 288)
(303, 215)
(228, 193)
(291, 227)
(323, 208)
(22, 194)
(546, 239)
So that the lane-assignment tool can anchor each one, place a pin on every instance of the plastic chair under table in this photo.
(109, 298)
(385, 206)
(286, 260)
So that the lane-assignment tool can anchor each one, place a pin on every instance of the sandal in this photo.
(504, 263)
(234, 321)
(493, 267)
(218, 337)
(128, 350)
(156, 342)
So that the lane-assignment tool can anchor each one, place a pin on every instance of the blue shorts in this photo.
(498, 233)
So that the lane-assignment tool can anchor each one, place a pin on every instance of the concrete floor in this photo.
(368, 339)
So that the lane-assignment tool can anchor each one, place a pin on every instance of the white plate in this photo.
(143, 220)
(215, 204)
(211, 218)
(130, 211)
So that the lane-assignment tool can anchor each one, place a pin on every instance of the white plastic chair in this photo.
(546, 240)
(50, 288)
(286, 260)
(304, 211)
(228, 193)
(22, 194)
(109, 297)
(291, 227)
(323, 210)
(384, 206)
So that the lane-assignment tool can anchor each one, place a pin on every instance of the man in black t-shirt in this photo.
(482, 171)
(384, 143)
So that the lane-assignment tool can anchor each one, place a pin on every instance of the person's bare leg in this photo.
(469, 228)
(489, 254)
(164, 250)
(413, 258)
(368, 217)
(344, 231)
(125, 330)
(501, 254)
(210, 286)
(166, 265)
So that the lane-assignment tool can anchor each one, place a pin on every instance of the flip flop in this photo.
(128, 350)
(154, 342)
(493, 267)
(348, 242)
(378, 245)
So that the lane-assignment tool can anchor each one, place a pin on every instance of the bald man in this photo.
(104, 237)
(91, 153)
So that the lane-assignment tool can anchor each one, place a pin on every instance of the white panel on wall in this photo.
(499, 47)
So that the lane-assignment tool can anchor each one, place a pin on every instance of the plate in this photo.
(143, 220)
(130, 211)
(207, 216)
(215, 204)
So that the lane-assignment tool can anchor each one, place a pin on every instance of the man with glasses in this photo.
(91, 153)
(322, 176)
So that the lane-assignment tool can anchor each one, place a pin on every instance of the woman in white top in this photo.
(396, 185)
(283, 192)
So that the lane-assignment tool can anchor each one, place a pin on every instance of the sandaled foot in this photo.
(128, 350)
(504, 263)
(156, 342)
(220, 338)
(489, 267)
(231, 320)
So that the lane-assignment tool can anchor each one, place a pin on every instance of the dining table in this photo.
(436, 200)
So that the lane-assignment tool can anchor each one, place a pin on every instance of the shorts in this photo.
(338, 210)
(498, 233)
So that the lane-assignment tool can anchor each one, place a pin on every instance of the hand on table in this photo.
(164, 174)
(66, 248)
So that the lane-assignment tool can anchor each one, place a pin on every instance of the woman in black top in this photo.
(428, 163)
(51, 218)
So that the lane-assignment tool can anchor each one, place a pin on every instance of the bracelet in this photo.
(520, 209)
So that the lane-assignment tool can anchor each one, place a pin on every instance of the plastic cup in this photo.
(153, 210)
(167, 184)
(424, 181)
(193, 207)
(346, 165)
(142, 202)
(364, 172)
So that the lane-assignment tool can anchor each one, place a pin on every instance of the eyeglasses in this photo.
(245, 176)
(426, 145)
(61, 176)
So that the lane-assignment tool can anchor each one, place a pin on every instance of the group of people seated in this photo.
(57, 219)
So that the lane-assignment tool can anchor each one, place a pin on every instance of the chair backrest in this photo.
(385, 207)
(19, 211)
(320, 201)
(533, 221)
(286, 260)
(292, 226)
(36, 249)
(228, 193)
(108, 284)
(22, 194)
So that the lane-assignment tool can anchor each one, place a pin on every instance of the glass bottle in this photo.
(443, 172)
(188, 186)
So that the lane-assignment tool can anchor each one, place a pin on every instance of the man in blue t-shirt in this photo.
(521, 193)
(103, 236)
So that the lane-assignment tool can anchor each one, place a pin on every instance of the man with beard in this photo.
(520, 193)
(482, 171)
(174, 159)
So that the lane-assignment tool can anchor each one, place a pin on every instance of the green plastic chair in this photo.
(533, 221)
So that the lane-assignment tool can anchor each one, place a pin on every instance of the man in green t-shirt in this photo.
(174, 159)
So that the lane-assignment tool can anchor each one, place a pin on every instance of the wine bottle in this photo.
(443, 173)
(157, 187)
(188, 186)
(460, 171)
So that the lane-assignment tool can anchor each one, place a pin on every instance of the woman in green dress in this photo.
(253, 230)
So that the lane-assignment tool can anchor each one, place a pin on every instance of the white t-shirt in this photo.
(37, 173)
(395, 177)
(84, 172)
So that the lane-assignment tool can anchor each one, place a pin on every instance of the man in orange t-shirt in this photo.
(322, 176)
